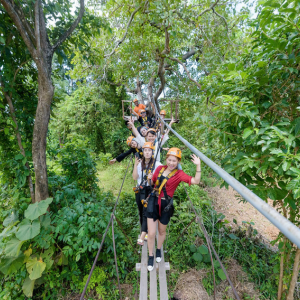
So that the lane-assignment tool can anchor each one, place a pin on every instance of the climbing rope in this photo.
(103, 238)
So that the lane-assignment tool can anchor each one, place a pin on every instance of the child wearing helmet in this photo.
(135, 148)
(160, 204)
(142, 168)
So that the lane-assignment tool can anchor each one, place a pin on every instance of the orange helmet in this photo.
(175, 152)
(151, 129)
(163, 112)
(142, 110)
(129, 140)
(148, 145)
(135, 100)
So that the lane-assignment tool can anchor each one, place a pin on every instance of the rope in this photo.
(104, 236)
(115, 254)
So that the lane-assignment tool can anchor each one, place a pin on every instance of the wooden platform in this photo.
(134, 118)
(159, 271)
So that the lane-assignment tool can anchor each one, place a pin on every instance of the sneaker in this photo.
(146, 237)
(158, 255)
(150, 263)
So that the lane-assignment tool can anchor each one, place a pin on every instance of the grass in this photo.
(111, 177)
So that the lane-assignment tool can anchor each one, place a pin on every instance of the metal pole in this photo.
(291, 231)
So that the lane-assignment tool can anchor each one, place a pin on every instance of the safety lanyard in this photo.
(148, 171)
(165, 180)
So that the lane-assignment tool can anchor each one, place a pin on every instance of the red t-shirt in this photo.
(138, 108)
(172, 183)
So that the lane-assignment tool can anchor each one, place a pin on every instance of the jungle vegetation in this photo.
(64, 69)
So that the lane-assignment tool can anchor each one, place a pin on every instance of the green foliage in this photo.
(78, 164)
(96, 282)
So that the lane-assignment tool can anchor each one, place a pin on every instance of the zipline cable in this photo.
(291, 231)
(104, 236)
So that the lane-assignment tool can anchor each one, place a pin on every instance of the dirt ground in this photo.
(226, 202)
(189, 285)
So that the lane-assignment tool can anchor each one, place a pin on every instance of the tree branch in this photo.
(161, 69)
(37, 27)
(186, 70)
(226, 24)
(211, 44)
(71, 29)
(119, 42)
(20, 24)
(207, 9)
(188, 54)
(139, 90)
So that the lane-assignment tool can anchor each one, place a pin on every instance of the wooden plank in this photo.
(138, 266)
(162, 277)
(153, 280)
(144, 274)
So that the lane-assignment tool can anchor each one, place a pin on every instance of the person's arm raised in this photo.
(196, 160)
(133, 129)
(135, 174)
(170, 124)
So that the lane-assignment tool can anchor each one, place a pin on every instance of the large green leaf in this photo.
(197, 257)
(28, 230)
(203, 249)
(37, 209)
(47, 257)
(11, 218)
(35, 268)
(28, 287)
(247, 132)
(9, 265)
(13, 247)
(221, 274)
(45, 220)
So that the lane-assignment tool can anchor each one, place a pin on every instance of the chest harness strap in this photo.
(161, 185)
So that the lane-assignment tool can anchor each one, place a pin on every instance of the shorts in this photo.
(165, 216)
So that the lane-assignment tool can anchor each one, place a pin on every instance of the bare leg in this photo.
(161, 234)
(151, 235)
(142, 237)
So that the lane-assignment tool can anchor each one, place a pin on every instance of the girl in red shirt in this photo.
(159, 208)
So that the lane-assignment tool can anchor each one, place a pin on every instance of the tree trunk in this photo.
(280, 283)
(45, 96)
(290, 295)
(139, 90)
